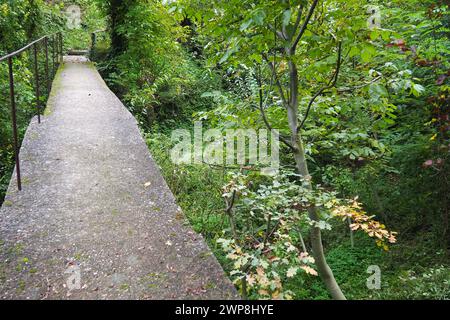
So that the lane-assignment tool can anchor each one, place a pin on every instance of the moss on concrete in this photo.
(56, 86)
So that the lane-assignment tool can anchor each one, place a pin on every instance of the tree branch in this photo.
(299, 18)
(266, 121)
(349, 89)
(277, 80)
(330, 85)
(305, 25)
(277, 32)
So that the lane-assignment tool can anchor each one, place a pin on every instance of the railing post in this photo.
(36, 72)
(53, 57)
(93, 42)
(14, 122)
(61, 46)
(58, 49)
(57, 53)
(47, 77)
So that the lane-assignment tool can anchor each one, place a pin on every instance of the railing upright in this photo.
(47, 76)
(53, 56)
(57, 58)
(36, 74)
(14, 121)
(61, 48)
(94, 39)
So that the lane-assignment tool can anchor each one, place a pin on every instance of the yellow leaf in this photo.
(250, 280)
(309, 270)
(260, 271)
(263, 292)
(291, 272)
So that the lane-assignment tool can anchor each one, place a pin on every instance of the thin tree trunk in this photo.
(352, 240)
(305, 250)
(300, 159)
(380, 205)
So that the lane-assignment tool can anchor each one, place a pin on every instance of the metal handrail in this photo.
(12, 54)
(94, 40)
(56, 40)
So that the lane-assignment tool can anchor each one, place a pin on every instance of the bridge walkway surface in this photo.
(95, 218)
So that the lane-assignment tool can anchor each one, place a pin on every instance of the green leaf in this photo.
(367, 53)
(354, 51)
(417, 89)
(259, 17)
(286, 17)
(374, 34)
(245, 25)
(256, 57)
(227, 55)
(386, 35)
(377, 91)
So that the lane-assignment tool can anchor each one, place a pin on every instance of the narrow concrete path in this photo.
(95, 218)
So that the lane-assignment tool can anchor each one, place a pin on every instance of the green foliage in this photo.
(92, 19)
(431, 284)
(381, 132)
(202, 205)
(149, 68)
(20, 23)
(198, 192)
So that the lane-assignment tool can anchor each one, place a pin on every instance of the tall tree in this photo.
(271, 33)
(117, 11)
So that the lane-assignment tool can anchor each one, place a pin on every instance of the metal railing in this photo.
(56, 42)
(94, 38)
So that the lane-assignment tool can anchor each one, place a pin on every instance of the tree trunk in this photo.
(300, 159)
(118, 10)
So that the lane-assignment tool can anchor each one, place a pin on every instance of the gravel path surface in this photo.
(95, 218)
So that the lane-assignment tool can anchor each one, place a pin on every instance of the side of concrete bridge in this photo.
(95, 218)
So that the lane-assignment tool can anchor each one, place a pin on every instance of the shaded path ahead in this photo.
(95, 205)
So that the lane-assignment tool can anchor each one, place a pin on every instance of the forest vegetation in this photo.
(359, 91)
